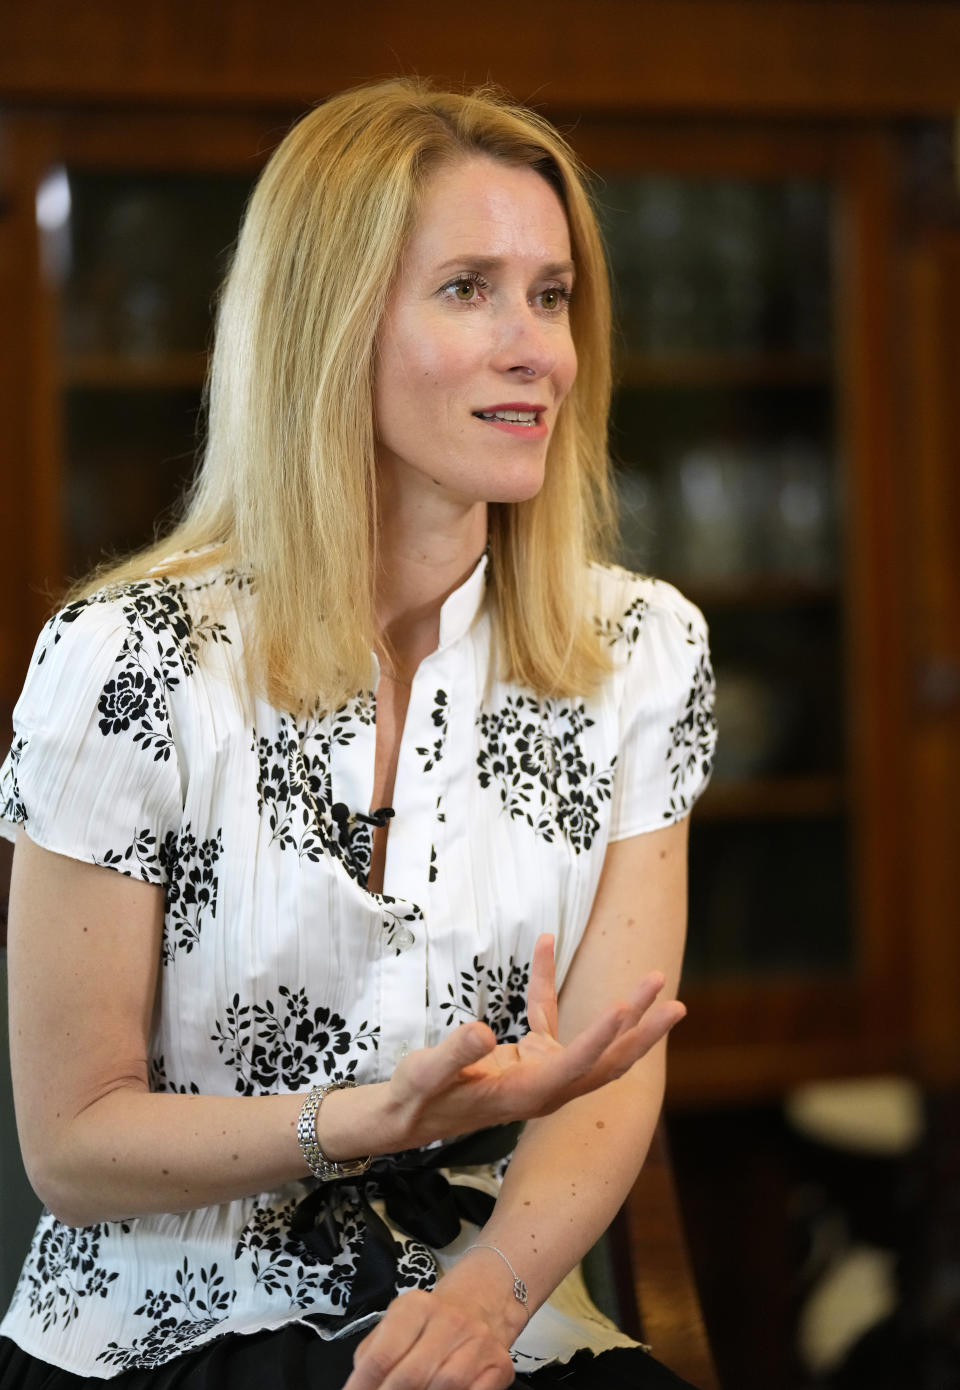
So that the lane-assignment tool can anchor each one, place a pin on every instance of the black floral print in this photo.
(135, 697)
(283, 1266)
(432, 754)
(126, 700)
(65, 1268)
(533, 755)
(187, 866)
(157, 1073)
(397, 922)
(692, 738)
(416, 1267)
(144, 857)
(295, 792)
(192, 891)
(11, 802)
(624, 630)
(178, 1316)
(495, 994)
(281, 1046)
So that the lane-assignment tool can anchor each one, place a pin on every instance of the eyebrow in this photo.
(497, 263)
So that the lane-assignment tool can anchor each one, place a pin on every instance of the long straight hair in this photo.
(287, 483)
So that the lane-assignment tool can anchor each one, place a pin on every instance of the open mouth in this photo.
(510, 417)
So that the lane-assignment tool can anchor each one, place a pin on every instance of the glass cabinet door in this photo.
(723, 436)
(724, 443)
(139, 257)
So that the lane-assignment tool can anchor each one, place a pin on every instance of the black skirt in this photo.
(295, 1358)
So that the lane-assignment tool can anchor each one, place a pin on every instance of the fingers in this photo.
(423, 1344)
(637, 1041)
(619, 1036)
(436, 1069)
(542, 991)
(473, 1367)
(388, 1343)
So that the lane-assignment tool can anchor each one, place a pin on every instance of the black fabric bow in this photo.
(417, 1198)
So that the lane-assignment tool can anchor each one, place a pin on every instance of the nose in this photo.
(526, 346)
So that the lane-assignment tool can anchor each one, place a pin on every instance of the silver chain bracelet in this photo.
(519, 1287)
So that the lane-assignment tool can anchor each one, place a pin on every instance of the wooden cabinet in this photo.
(764, 435)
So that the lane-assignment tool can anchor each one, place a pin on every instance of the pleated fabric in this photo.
(138, 747)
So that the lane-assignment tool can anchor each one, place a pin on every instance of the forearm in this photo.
(131, 1152)
(568, 1178)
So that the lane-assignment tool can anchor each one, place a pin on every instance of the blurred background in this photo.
(778, 183)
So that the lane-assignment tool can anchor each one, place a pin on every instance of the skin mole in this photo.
(601, 1124)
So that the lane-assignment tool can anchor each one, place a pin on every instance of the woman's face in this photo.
(475, 354)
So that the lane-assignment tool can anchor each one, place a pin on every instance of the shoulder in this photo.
(630, 611)
(161, 618)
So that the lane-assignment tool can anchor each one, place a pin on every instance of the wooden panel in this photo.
(846, 56)
(184, 142)
(748, 1040)
(29, 426)
(931, 357)
(877, 623)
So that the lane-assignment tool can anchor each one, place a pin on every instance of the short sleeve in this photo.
(92, 771)
(668, 731)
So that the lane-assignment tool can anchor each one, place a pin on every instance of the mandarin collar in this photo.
(457, 613)
(461, 607)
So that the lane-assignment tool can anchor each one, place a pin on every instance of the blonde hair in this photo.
(286, 487)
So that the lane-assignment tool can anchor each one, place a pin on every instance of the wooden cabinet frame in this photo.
(743, 1038)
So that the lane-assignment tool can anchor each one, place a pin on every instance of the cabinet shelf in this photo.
(774, 369)
(757, 592)
(110, 371)
(803, 797)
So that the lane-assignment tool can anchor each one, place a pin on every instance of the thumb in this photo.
(432, 1070)
(470, 1042)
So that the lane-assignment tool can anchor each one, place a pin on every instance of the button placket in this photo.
(407, 875)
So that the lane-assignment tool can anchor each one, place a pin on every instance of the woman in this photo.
(381, 759)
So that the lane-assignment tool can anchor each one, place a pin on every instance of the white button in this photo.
(403, 1050)
(405, 938)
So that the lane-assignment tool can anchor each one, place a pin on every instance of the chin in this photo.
(519, 486)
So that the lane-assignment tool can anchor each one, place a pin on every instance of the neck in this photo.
(423, 558)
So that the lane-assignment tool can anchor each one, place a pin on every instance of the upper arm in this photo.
(665, 743)
(84, 948)
(637, 924)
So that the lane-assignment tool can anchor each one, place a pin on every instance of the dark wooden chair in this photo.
(656, 1290)
(654, 1285)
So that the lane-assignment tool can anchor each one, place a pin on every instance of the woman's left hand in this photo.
(431, 1341)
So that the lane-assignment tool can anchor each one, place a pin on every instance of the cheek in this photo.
(566, 372)
(434, 350)
(441, 361)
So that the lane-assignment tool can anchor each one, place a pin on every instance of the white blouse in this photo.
(136, 747)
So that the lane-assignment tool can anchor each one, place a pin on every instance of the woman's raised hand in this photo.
(469, 1082)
